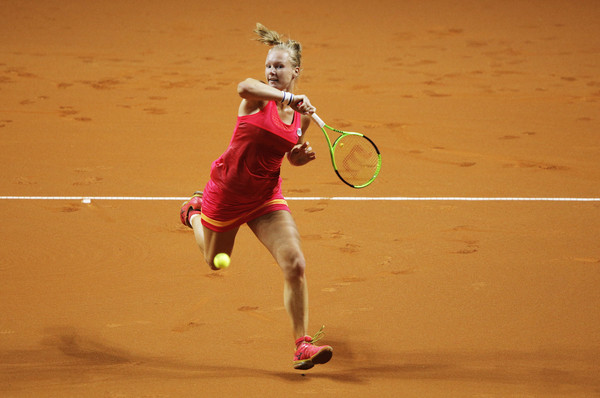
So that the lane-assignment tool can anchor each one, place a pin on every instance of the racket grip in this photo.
(318, 120)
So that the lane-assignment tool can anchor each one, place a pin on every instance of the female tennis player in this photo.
(245, 183)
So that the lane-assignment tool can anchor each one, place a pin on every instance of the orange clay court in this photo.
(420, 298)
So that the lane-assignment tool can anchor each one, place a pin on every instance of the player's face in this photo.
(279, 70)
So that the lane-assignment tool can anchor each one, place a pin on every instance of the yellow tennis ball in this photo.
(221, 260)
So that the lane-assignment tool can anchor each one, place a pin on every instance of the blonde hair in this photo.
(274, 40)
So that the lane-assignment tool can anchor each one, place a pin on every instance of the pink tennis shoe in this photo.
(191, 207)
(308, 355)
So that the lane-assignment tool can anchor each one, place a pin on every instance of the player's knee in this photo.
(294, 266)
(209, 260)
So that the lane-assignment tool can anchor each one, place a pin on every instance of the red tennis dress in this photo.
(244, 181)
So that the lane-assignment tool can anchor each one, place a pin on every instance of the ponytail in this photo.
(267, 36)
(274, 40)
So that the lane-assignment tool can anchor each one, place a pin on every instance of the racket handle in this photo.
(318, 120)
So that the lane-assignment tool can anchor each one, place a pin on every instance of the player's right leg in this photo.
(191, 208)
(210, 242)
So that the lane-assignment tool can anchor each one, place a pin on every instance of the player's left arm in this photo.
(302, 153)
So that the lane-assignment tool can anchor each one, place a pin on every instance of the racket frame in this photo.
(342, 133)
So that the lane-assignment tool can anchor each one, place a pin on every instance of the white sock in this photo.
(192, 217)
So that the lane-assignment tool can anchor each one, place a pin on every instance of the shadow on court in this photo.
(67, 356)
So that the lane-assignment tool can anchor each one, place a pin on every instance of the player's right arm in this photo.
(255, 95)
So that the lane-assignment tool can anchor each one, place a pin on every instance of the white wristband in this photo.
(289, 97)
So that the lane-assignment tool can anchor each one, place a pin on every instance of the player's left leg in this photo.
(278, 232)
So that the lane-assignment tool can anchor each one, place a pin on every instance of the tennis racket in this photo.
(355, 158)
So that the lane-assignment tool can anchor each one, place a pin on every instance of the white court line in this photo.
(316, 198)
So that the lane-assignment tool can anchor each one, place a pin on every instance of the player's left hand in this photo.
(301, 154)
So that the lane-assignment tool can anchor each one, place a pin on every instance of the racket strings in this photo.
(357, 159)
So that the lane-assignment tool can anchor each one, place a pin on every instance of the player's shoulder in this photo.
(250, 107)
(305, 121)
